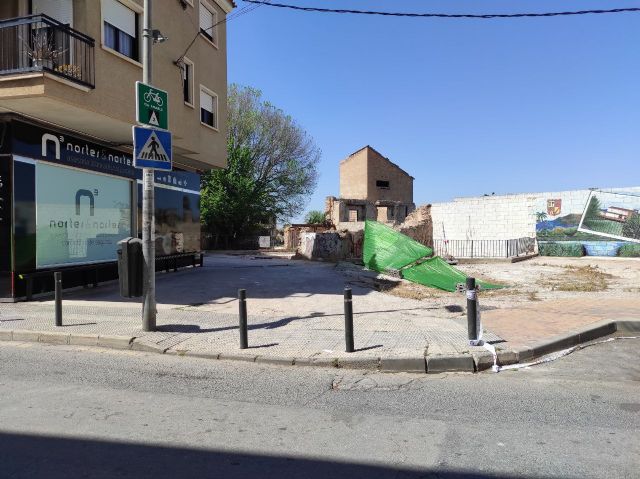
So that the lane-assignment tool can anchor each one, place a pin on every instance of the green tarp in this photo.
(386, 250)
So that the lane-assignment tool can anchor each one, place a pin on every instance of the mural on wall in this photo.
(599, 223)
(612, 215)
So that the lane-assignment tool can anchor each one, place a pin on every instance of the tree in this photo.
(272, 167)
(315, 217)
(541, 216)
(631, 228)
(593, 210)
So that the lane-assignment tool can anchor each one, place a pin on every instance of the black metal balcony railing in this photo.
(39, 43)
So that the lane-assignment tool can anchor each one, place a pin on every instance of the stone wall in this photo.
(331, 245)
(419, 226)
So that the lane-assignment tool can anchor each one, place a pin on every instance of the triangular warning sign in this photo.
(153, 149)
(153, 118)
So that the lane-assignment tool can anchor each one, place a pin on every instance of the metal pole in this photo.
(472, 308)
(348, 320)
(242, 297)
(148, 220)
(57, 278)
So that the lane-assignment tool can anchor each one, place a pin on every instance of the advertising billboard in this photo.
(80, 216)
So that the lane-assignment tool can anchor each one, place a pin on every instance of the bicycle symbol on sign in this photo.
(153, 96)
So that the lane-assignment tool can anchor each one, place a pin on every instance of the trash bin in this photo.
(130, 264)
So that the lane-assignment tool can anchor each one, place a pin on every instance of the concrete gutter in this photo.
(433, 364)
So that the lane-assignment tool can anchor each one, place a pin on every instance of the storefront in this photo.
(65, 202)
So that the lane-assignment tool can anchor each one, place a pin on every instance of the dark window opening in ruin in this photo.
(382, 184)
(402, 213)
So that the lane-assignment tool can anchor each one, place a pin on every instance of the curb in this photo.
(411, 364)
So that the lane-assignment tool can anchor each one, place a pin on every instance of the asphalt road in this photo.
(80, 412)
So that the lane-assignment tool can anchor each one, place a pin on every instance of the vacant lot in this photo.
(542, 278)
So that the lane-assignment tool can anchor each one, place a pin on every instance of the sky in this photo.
(467, 107)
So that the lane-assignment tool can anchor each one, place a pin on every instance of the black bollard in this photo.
(242, 297)
(348, 320)
(57, 279)
(472, 309)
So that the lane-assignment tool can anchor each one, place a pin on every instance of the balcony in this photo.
(38, 43)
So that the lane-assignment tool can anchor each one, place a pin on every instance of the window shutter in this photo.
(61, 10)
(206, 101)
(206, 19)
(119, 16)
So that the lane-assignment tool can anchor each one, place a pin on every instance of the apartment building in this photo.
(371, 187)
(68, 188)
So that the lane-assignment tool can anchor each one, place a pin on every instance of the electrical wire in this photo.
(234, 15)
(441, 15)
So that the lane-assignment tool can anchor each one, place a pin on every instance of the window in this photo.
(120, 28)
(61, 10)
(208, 108)
(208, 21)
(187, 82)
(382, 184)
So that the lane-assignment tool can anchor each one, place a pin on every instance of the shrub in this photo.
(561, 249)
(629, 250)
(631, 228)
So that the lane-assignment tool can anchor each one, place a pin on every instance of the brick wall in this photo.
(360, 173)
(353, 176)
(400, 183)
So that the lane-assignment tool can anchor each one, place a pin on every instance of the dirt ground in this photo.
(537, 279)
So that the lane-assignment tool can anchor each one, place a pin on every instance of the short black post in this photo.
(57, 278)
(472, 309)
(242, 297)
(348, 320)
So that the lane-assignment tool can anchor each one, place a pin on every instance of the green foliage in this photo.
(629, 250)
(272, 167)
(593, 210)
(631, 228)
(604, 226)
(315, 217)
(561, 249)
(541, 216)
(558, 233)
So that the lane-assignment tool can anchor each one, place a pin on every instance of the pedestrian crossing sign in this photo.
(152, 148)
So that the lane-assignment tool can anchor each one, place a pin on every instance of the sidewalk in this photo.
(197, 315)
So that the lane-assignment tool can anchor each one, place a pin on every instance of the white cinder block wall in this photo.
(503, 216)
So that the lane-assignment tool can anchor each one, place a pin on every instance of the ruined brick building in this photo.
(371, 188)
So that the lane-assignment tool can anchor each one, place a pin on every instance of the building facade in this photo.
(371, 187)
(68, 188)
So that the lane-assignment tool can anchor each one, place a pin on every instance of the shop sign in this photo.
(183, 180)
(38, 143)
(80, 216)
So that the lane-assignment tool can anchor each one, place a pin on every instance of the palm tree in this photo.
(541, 216)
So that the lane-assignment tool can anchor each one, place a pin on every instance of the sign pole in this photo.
(148, 213)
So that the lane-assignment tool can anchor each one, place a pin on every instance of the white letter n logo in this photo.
(49, 137)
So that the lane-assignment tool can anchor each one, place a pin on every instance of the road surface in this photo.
(87, 412)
